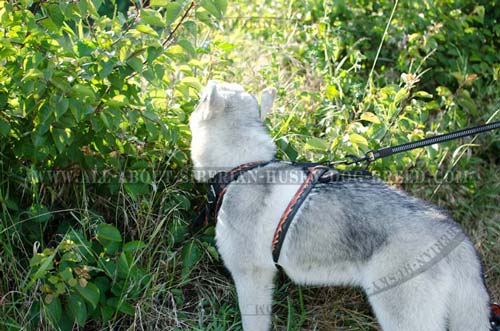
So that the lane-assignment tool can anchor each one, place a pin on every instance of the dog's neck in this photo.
(221, 147)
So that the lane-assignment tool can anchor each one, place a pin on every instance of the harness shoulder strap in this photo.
(312, 178)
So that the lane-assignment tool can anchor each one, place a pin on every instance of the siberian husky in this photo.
(418, 269)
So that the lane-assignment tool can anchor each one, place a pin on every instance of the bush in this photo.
(94, 98)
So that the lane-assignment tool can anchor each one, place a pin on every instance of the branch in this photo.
(183, 18)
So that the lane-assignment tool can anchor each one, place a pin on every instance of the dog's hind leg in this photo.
(255, 290)
(419, 304)
(469, 308)
(469, 299)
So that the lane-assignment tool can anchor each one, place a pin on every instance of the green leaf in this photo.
(422, 94)
(192, 82)
(107, 68)
(370, 117)
(331, 92)
(4, 128)
(108, 232)
(204, 17)
(61, 83)
(160, 3)
(191, 254)
(152, 17)
(316, 144)
(173, 12)
(54, 310)
(32, 74)
(458, 76)
(117, 101)
(213, 252)
(468, 103)
(103, 283)
(136, 189)
(61, 138)
(104, 119)
(122, 306)
(358, 140)
(66, 274)
(221, 5)
(77, 309)
(150, 115)
(188, 47)
(84, 92)
(90, 293)
(106, 313)
(135, 63)
(61, 104)
(107, 265)
(85, 48)
(401, 95)
(133, 246)
(123, 266)
(443, 91)
(147, 30)
(39, 213)
(211, 7)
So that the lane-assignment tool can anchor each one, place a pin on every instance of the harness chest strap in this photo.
(286, 219)
(217, 189)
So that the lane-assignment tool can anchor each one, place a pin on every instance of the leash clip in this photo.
(353, 159)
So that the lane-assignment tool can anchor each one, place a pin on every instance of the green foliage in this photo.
(85, 279)
(422, 82)
(73, 84)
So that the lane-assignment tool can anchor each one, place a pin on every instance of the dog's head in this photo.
(227, 128)
(221, 101)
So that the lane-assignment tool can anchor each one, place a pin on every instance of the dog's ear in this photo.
(213, 101)
(266, 101)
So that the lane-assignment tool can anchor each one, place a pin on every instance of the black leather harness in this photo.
(315, 173)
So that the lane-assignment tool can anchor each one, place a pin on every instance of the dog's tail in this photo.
(469, 301)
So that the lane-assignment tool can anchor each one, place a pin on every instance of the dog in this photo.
(419, 270)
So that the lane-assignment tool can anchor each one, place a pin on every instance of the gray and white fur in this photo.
(420, 272)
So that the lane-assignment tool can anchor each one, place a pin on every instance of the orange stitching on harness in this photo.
(292, 203)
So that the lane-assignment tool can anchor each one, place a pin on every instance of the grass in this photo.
(325, 82)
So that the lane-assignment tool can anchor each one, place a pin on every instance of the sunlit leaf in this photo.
(370, 117)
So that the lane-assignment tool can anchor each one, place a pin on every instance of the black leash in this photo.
(374, 155)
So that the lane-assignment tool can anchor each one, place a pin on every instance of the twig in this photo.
(164, 43)
(183, 18)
